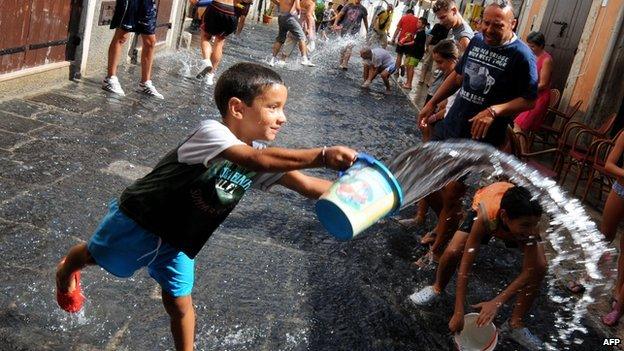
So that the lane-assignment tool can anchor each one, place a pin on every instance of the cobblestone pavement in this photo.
(270, 278)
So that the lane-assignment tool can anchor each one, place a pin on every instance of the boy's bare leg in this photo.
(384, 76)
(397, 64)
(449, 261)
(182, 316)
(526, 296)
(114, 51)
(77, 258)
(147, 56)
(276, 48)
(449, 217)
(217, 51)
(241, 24)
(410, 76)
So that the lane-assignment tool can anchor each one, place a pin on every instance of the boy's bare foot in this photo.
(429, 238)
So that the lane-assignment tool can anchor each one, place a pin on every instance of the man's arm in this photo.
(462, 44)
(365, 19)
(273, 159)
(448, 88)
(612, 160)
(308, 186)
(482, 121)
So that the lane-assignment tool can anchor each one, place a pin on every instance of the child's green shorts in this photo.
(411, 61)
(121, 247)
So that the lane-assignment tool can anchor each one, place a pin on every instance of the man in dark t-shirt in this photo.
(496, 79)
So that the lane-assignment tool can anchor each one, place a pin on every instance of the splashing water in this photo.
(426, 168)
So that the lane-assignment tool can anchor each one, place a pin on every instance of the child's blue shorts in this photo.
(121, 246)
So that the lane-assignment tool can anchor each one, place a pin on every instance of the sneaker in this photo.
(209, 78)
(523, 336)
(366, 84)
(425, 296)
(112, 85)
(343, 67)
(306, 62)
(272, 61)
(311, 46)
(206, 68)
(149, 89)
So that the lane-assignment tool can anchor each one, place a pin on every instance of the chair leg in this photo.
(565, 173)
(590, 180)
(581, 168)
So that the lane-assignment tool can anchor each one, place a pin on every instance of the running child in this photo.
(218, 22)
(163, 220)
(508, 213)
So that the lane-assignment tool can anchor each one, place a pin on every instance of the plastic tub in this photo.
(364, 194)
(473, 338)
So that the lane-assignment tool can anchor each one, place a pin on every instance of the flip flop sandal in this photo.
(71, 301)
(575, 287)
(610, 319)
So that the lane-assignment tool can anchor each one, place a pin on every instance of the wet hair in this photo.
(245, 81)
(410, 11)
(537, 38)
(447, 49)
(518, 202)
(339, 8)
(443, 5)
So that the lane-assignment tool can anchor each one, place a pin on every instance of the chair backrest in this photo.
(606, 126)
(517, 148)
(555, 95)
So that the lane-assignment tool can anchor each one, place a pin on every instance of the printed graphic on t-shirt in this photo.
(482, 66)
(220, 188)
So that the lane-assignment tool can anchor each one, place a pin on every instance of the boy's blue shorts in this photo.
(121, 246)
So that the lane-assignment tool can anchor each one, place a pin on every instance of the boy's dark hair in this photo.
(537, 38)
(443, 5)
(447, 49)
(245, 81)
(410, 11)
(518, 202)
(424, 21)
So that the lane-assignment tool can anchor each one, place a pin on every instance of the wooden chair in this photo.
(581, 155)
(555, 96)
(518, 142)
(597, 169)
(555, 124)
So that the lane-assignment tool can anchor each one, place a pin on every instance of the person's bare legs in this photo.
(449, 217)
(345, 55)
(217, 51)
(449, 261)
(182, 317)
(276, 48)
(526, 296)
(385, 77)
(303, 49)
(611, 217)
(205, 46)
(77, 258)
(241, 24)
(398, 62)
(114, 51)
(147, 56)
(409, 70)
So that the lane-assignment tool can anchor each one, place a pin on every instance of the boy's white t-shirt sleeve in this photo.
(206, 143)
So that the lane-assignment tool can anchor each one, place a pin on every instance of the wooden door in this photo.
(563, 24)
(36, 32)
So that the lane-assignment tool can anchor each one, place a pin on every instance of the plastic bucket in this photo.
(364, 194)
(473, 338)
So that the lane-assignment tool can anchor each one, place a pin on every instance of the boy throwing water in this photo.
(508, 213)
(163, 220)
